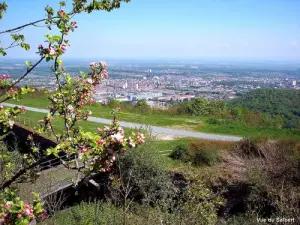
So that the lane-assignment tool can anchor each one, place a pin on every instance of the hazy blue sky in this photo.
(267, 29)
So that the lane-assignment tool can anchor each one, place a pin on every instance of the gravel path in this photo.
(155, 129)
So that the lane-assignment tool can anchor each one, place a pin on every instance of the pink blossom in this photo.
(118, 137)
(19, 216)
(52, 51)
(105, 74)
(1, 107)
(4, 77)
(91, 101)
(89, 113)
(141, 141)
(63, 47)
(99, 130)
(23, 109)
(103, 64)
(89, 80)
(101, 142)
(61, 12)
(70, 108)
(93, 64)
(106, 129)
(40, 47)
(74, 24)
(7, 205)
(84, 150)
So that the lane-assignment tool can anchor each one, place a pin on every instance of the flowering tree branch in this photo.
(7, 183)
(14, 83)
(93, 152)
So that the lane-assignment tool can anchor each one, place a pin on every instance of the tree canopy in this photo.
(282, 102)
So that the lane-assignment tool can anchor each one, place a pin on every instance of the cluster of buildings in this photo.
(161, 86)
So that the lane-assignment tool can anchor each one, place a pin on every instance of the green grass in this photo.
(195, 123)
(30, 119)
(159, 147)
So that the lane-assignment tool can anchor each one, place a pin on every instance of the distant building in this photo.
(294, 83)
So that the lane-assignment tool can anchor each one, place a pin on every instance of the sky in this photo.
(237, 29)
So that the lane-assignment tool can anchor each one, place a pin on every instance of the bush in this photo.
(248, 147)
(179, 152)
(113, 103)
(142, 106)
(272, 176)
(143, 170)
(199, 154)
(86, 214)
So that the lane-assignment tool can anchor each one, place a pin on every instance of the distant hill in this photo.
(284, 102)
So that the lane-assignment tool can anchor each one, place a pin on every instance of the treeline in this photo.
(218, 111)
(276, 102)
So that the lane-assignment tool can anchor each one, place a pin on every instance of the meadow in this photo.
(193, 123)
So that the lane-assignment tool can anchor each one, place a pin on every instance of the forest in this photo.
(276, 102)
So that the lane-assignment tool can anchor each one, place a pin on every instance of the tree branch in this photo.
(34, 23)
(23, 26)
(21, 78)
(20, 173)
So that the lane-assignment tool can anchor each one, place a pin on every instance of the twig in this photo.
(21, 78)
(20, 173)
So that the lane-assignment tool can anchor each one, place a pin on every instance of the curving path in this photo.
(155, 129)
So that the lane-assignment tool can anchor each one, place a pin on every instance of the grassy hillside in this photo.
(195, 123)
(283, 102)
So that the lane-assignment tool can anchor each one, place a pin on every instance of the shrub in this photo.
(179, 152)
(143, 170)
(199, 154)
(248, 147)
(87, 213)
(272, 177)
(142, 106)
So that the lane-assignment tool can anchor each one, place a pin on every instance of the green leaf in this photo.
(68, 79)
(56, 38)
(52, 151)
(2, 52)
(62, 3)
(59, 62)
(28, 64)
(27, 47)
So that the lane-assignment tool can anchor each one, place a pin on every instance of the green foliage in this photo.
(113, 103)
(107, 5)
(14, 211)
(221, 114)
(270, 185)
(202, 204)
(87, 214)
(142, 106)
(3, 8)
(276, 102)
(142, 168)
(10, 161)
(199, 154)
(179, 152)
